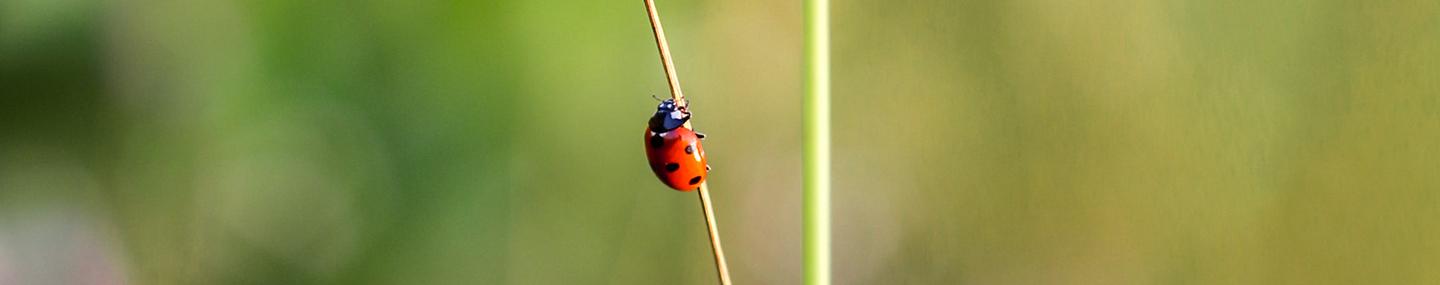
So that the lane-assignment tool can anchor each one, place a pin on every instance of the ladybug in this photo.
(673, 149)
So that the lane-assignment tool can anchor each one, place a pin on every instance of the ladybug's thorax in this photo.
(668, 116)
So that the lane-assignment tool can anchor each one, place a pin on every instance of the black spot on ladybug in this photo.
(694, 180)
(672, 167)
(656, 141)
(689, 149)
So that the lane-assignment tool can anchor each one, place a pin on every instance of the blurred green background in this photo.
(481, 142)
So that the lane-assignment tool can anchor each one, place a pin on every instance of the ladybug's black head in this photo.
(668, 116)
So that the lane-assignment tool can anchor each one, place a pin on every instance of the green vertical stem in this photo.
(815, 109)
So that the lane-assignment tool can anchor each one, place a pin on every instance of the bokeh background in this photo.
(499, 142)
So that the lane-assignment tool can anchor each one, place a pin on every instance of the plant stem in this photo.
(704, 191)
(815, 109)
(720, 267)
(669, 65)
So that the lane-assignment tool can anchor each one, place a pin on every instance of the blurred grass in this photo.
(994, 142)
(815, 133)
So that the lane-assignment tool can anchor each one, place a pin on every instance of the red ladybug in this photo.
(674, 150)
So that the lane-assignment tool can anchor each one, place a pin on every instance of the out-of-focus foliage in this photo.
(1138, 142)
(463, 142)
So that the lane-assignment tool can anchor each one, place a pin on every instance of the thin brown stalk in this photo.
(721, 269)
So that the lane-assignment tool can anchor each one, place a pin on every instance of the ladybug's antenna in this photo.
(656, 98)
(679, 97)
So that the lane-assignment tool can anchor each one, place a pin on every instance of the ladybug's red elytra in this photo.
(674, 150)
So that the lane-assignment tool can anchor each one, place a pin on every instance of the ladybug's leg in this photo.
(700, 135)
